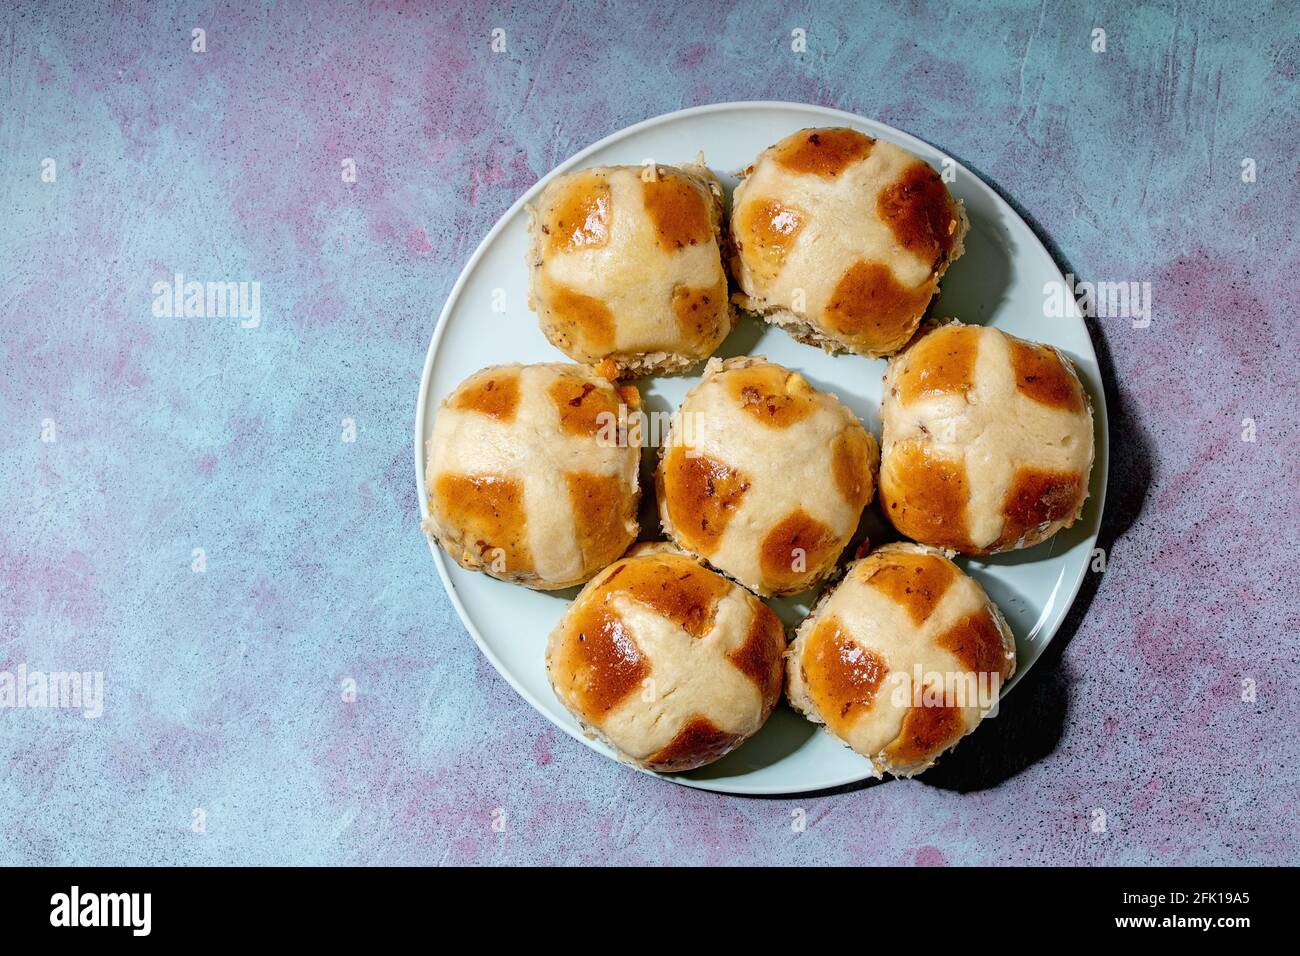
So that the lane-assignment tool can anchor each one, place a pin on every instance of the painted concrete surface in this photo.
(183, 515)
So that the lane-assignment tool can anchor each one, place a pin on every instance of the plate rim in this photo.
(716, 785)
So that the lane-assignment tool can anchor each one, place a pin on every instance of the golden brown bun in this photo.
(626, 266)
(853, 664)
(987, 441)
(669, 663)
(764, 476)
(841, 239)
(526, 478)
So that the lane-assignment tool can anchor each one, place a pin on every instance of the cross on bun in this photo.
(764, 476)
(668, 662)
(527, 478)
(988, 441)
(901, 659)
(840, 239)
(626, 266)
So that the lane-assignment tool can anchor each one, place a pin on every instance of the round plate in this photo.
(999, 281)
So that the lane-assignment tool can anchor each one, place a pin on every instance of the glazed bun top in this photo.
(988, 441)
(891, 660)
(765, 476)
(846, 235)
(526, 477)
(626, 266)
(668, 662)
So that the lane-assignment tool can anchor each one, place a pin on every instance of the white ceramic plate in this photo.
(999, 281)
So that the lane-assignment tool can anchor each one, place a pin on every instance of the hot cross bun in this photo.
(901, 659)
(840, 239)
(668, 662)
(528, 479)
(764, 476)
(626, 267)
(988, 441)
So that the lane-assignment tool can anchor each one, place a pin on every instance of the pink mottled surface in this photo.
(222, 688)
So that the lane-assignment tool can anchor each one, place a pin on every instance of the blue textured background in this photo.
(223, 687)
